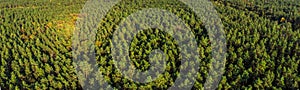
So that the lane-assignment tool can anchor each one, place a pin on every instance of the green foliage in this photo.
(263, 45)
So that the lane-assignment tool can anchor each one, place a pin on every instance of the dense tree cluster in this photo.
(263, 44)
(35, 53)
